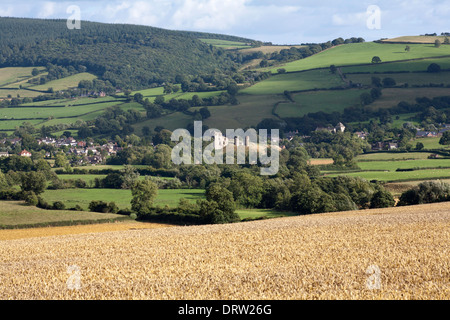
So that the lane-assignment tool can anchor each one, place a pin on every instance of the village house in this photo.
(377, 146)
(426, 134)
(291, 134)
(47, 140)
(13, 141)
(4, 154)
(392, 145)
(95, 160)
(361, 134)
(25, 153)
(339, 128)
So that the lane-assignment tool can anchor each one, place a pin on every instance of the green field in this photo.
(383, 166)
(66, 83)
(362, 53)
(171, 122)
(392, 176)
(418, 39)
(408, 66)
(122, 198)
(391, 97)
(14, 213)
(249, 112)
(388, 156)
(19, 93)
(53, 112)
(407, 164)
(226, 44)
(423, 78)
(12, 124)
(15, 74)
(259, 213)
(326, 101)
(277, 84)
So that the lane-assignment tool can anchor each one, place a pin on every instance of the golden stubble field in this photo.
(399, 253)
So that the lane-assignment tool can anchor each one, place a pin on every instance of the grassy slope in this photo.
(122, 198)
(362, 53)
(392, 97)
(14, 213)
(277, 84)
(15, 74)
(326, 101)
(402, 78)
(65, 83)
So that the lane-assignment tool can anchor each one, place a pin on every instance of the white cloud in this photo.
(47, 10)
(209, 14)
(6, 12)
(349, 19)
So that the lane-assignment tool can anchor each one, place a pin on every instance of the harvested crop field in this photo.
(397, 253)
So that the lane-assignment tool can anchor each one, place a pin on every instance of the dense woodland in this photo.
(153, 55)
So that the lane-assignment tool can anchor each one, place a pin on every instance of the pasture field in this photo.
(122, 198)
(388, 156)
(105, 166)
(408, 66)
(19, 93)
(404, 164)
(54, 112)
(391, 97)
(393, 176)
(277, 84)
(12, 124)
(15, 74)
(66, 83)
(314, 101)
(268, 49)
(383, 166)
(226, 44)
(88, 178)
(362, 53)
(171, 122)
(263, 213)
(397, 123)
(432, 143)
(322, 256)
(423, 78)
(418, 39)
(249, 112)
(16, 214)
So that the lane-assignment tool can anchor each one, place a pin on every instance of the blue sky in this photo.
(281, 22)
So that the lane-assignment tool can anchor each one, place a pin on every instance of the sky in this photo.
(279, 22)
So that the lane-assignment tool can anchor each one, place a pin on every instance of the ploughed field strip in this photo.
(325, 256)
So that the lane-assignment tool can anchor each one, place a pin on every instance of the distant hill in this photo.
(126, 55)
(415, 39)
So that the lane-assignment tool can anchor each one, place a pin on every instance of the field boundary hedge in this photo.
(62, 223)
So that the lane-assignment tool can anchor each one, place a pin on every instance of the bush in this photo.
(58, 205)
(382, 199)
(103, 207)
(30, 198)
(434, 68)
(125, 212)
(10, 194)
(426, 192)
(43, 204)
